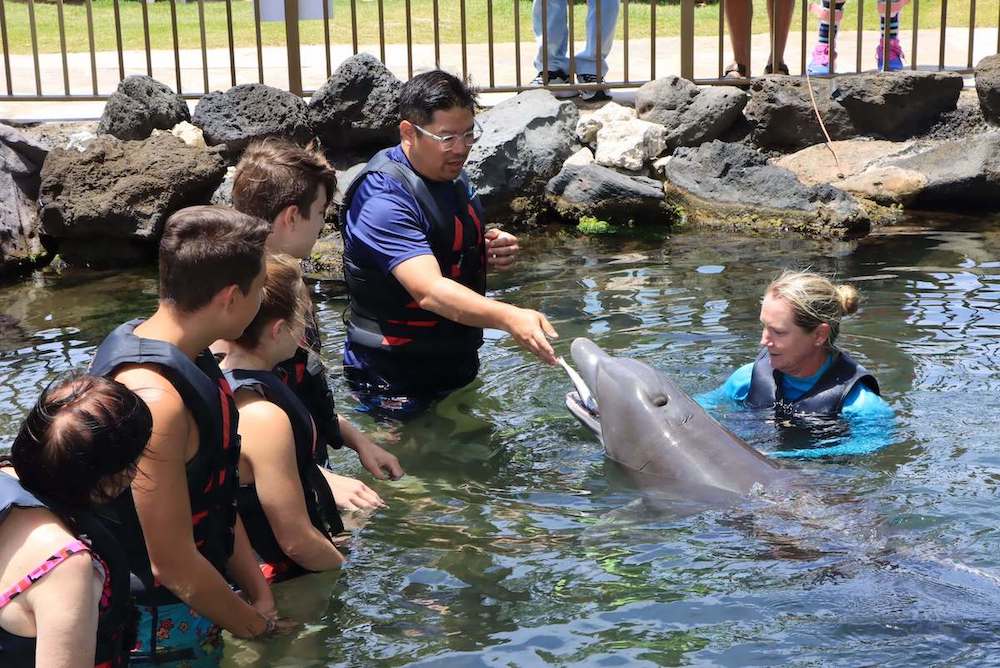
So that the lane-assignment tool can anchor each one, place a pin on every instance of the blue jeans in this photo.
(558, 35)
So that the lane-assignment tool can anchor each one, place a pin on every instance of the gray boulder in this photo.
(691, 114)
(140, 105)
(593, 190)
(223, 195)
(21, 161)
(988, 88)
(734, 185)
(107, 205)
(962, 173)
(898, 105)
(782, 114)
(357, 109)
(326, 262)
(249, 112)
(526, 139)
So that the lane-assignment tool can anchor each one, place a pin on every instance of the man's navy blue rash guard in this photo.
(385, 226)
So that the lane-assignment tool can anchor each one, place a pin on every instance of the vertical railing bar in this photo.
(831, 18)
(803, 32)
(465, 51)
(861, 30)
(177, 45)
(409, 42)
(118, 40)
(260, 48)
(625, 40)
(354, 26)
(572, 39)
(886, 28)
(232, 46)
(944, 25)
(437, 37)
(652, 39)
(972, 30)
(381, 30)
(293, 48)
(545, 41)
(62, 44)
(916, 32)
(489, 39)
(326, 37)
(145, 34)
(517, 44)
(89, 4)
(34, 46)
(204, 44)
(687, 39)
(722, 35)
(6, 48)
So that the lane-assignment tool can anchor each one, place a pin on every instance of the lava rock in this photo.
(601, 192)
(526, 139)
(249, 112)
(106, 206)
(140, 105)
(691, 114)
(357, 110)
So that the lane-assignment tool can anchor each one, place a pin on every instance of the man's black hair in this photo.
(432, 91)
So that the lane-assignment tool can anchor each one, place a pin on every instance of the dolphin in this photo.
(661, 436)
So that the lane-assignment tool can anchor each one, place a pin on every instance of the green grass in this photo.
(272, 33)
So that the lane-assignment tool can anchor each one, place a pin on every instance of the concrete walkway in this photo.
(275, 72)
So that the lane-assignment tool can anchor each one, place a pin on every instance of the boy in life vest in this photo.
(178, 523)
(416, 254)
(290, 187)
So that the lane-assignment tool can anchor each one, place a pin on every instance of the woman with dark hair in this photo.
(64, 580)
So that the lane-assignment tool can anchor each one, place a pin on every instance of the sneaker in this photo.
(820, 63)
(895, 56)
(595, 94)
(556, 78)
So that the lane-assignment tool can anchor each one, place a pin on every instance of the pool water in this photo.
(512, 542)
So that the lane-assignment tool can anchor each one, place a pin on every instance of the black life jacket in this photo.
(383, 315)
(116, 625)
(826, 397)
(320, 504)
(212, 474)
(305, 374)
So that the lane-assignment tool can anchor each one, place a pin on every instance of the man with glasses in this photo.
(415, 260)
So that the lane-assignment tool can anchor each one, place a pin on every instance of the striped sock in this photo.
(824, 27)
(893, 26)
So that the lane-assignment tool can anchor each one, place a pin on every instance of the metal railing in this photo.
(49, 54)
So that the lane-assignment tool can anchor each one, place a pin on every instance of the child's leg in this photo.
(829, 21)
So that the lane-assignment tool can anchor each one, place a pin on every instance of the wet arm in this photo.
(269, 446)
(65, 603)
(162, 504)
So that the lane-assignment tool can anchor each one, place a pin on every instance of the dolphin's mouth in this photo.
(581, 402)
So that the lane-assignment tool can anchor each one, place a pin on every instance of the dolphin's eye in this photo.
(660, 401)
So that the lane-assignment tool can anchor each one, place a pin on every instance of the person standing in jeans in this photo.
(557, 42)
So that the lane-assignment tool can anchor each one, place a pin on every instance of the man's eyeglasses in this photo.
(449, 142)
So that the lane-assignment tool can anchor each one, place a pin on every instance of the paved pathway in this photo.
(477, 57)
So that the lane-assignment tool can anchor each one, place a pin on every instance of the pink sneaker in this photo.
(895, 56)
(820, 63)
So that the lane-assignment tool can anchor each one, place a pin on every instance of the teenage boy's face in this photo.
(438, 163)
(246, 305)
(307, 226)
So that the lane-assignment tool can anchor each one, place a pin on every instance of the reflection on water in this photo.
(513, 542)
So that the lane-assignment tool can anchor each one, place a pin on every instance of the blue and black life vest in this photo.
(383, 316)
(212, 474)
(320, 504)
(116, 625)
(826, 397)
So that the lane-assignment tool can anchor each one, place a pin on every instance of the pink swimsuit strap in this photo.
(71, 548)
